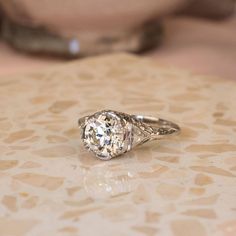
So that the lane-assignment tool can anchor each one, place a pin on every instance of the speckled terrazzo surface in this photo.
(183, 186)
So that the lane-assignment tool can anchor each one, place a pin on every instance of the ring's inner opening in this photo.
(165, 125)
(154, 121)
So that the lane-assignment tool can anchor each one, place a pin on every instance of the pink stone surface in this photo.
(181, 186)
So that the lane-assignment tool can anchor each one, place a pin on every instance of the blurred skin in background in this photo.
(199, 34)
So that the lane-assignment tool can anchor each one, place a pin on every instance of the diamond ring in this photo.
(110, 133)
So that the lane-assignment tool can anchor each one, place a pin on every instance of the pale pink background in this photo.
(202, 46)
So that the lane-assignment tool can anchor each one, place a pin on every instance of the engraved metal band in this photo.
(157, 128)
(110, 133)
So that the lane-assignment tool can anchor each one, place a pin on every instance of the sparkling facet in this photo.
(105, 134)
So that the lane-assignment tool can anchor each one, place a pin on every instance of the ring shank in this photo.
(160, 127)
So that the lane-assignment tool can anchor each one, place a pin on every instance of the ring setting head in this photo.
(106, 134)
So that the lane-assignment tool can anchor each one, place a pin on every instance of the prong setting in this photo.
(105, 134)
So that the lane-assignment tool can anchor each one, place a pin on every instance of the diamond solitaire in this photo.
(110, 133)
(105, 134)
